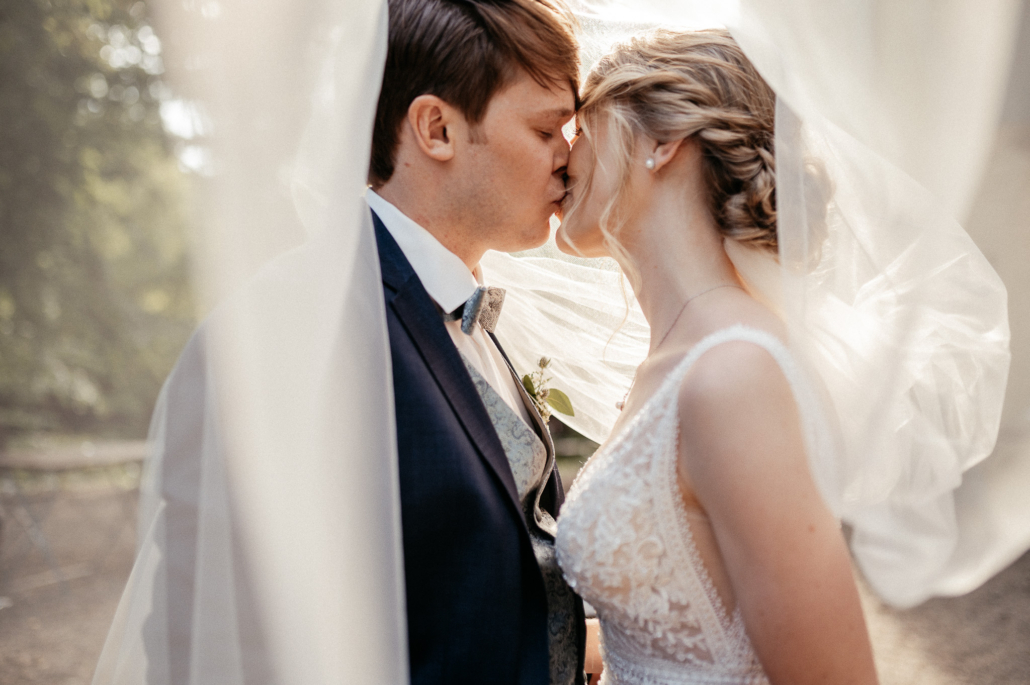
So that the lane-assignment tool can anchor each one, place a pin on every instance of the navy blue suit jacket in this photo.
(476, 603)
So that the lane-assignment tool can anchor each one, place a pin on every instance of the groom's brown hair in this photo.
(464, 52)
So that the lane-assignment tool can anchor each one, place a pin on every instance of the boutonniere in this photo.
(543, 397)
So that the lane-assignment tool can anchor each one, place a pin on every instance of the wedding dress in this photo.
(625, 545)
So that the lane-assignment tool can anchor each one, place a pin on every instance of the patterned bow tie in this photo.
(483, 307)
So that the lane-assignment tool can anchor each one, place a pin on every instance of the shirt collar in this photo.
(443, 274)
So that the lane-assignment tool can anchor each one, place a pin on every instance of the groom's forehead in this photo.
(553, 102)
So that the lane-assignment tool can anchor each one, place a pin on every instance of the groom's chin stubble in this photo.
(540, 238)
(530, 240)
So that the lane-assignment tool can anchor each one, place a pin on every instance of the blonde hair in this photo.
(670, 86)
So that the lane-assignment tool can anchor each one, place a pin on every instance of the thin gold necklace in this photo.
(684, 308)
(620, 405)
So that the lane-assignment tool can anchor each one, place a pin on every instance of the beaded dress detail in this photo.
(625, 545)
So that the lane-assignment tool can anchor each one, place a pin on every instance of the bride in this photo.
(697, 531)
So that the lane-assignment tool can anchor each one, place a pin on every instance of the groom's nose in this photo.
(561, 157)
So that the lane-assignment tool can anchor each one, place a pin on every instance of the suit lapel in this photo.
(418, 314)
(534, 413)
(551, 495)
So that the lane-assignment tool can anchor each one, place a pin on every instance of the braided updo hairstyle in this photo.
(670, 86)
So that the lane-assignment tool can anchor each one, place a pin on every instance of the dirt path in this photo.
(53, 630)
(67, 548)
(982, 638)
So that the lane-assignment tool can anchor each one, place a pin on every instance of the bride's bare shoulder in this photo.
(733, 365)
(734, 374)
(731, 372)
(734, 402)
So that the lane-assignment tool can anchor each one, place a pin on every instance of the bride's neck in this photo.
(676, 253)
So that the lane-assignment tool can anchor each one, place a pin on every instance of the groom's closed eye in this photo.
(551, 129)
(553, 120)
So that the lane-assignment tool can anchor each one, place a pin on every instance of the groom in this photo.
(468, 156)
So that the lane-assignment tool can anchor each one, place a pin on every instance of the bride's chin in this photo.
(563, 243)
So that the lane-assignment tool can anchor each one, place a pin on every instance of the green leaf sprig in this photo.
(543, 397)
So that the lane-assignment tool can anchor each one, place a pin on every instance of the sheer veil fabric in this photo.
(277, 424)
(276, 428)
(890, 306)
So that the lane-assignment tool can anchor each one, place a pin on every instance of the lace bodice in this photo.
(625, 545)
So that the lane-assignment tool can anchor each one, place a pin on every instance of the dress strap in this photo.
(820, 438)
(723, 625)
(736, 333)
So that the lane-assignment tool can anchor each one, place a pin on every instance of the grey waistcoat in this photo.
(531, 461)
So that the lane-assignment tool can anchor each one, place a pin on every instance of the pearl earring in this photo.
(649, 164)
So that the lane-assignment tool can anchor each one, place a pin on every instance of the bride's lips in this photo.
(560, 212)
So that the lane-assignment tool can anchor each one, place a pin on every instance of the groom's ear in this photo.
(432, 122)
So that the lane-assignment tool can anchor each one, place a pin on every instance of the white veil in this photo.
(277, 424)
(269, 516)
(890, 305)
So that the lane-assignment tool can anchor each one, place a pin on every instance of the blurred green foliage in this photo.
(94, 279)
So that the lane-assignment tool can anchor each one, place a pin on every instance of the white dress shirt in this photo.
(450, 283)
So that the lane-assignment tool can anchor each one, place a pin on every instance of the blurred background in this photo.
(101, 162)
(95, 304)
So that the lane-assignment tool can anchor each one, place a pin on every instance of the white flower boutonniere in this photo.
(543, 397)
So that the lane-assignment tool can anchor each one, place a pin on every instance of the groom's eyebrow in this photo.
(558, 113)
